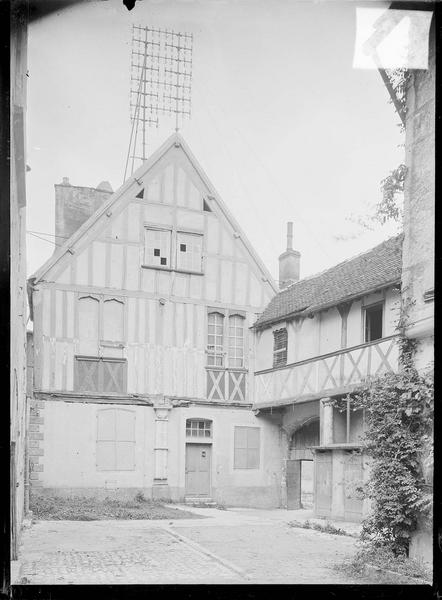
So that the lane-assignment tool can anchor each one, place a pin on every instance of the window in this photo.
(215, 339)
(115, 440)
(189, 252)
(236, 341)
(198, 428)
(100, 375)
(280, 347)
(88, 318)
(187, 249)
(113, 320)
(246, 448)
(373, 322)
(95, 309)
(157, 247)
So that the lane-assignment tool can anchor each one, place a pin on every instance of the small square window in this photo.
(163, 261)
(183, 247)
(156, 252)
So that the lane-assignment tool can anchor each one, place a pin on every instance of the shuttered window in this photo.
(280, 347)
(189, 252)
(113, 320)
(100, 375)
(236, 341)
(88, 318)
(157, 247)
(246, 448)
(115, 440)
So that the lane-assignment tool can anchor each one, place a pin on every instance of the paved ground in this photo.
(232, 546)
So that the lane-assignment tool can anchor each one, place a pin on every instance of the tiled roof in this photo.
(354, 277)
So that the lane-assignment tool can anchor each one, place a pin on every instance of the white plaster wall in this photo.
(69, 459)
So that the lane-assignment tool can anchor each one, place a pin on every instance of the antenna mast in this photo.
(161, 84)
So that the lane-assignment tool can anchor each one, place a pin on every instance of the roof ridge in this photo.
(343, 262)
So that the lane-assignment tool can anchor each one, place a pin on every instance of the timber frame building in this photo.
(318, 340)
(143, 354)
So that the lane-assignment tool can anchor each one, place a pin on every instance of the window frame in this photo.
(235, 448)
(197, 438)
(279, 351)
(101, 299)
(165, 228)
(227, 314)
(177, 250)
(236, 315)
(173, 258)
(379, 304)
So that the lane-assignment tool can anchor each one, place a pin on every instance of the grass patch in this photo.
(78, 508)
(326, 527)
(382, 565)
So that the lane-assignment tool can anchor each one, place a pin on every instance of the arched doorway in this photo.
(300, 481)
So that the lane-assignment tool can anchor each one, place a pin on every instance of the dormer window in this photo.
(280, 347)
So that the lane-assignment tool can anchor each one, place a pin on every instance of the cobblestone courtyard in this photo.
(234, 546)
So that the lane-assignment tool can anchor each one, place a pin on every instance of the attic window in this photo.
(140, 194)
(206, 207)
(280, 347)
(157, 247)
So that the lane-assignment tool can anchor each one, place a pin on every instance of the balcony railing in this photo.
(325, 375)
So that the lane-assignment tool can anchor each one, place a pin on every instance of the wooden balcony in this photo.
(226, 385)
(330, 374)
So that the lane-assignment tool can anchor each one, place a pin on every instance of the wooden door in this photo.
(323, 484)
(198, 469)
(293, 480)
(352, 479)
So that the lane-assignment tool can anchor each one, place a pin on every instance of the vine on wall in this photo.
(399, 419)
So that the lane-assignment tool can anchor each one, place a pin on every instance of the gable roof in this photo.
(134, 182)
(370, 271)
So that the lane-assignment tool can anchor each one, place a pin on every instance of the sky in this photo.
(284, 126)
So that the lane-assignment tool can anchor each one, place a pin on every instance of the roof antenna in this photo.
(161, 84)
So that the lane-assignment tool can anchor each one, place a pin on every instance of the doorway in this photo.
(307, 484)
(198, 461)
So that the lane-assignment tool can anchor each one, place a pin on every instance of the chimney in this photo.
(75, 204)
(289, 262)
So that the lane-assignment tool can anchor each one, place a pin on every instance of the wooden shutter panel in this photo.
(87, 375)
(113, 319)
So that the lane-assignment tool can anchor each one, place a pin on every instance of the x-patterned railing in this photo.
(327, 374)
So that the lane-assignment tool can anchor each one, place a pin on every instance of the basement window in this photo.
(373, 318)
(280, 347)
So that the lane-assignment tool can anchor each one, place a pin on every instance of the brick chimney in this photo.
(289, 262)
(75, 204)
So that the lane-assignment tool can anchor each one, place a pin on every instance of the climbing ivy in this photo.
(399, 416)
(389, 207)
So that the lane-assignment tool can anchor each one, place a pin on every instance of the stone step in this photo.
(209, 502)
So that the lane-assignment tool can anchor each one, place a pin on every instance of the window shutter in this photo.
(113, 319)
(280, 347)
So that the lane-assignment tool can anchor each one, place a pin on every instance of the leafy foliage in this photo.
(399, 418)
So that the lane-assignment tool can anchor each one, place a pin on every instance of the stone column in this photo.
(325, 422)
(160, 488)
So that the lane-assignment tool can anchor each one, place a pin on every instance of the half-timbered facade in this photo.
(317, 340)
(144, 358)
